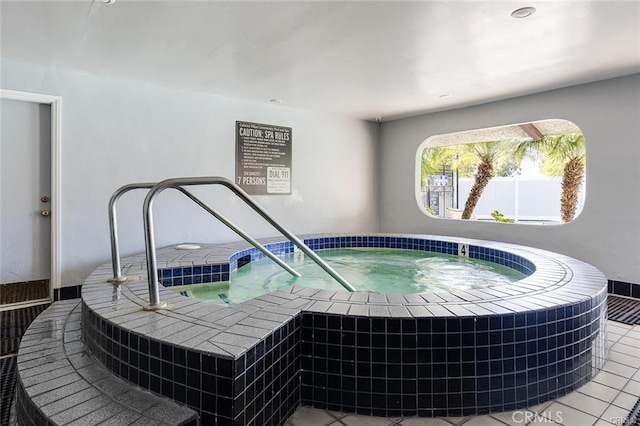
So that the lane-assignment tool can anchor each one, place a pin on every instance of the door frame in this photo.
(56, 205)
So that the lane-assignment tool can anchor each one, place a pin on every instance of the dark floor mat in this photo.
(25, 291)
(623, 309)
(633, 419)
(7, 385)
(13, 324)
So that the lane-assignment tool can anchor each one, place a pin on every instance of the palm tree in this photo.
(570, 148)
(567, 149)
(487, 153)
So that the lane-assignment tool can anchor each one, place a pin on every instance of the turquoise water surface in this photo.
(374, 270)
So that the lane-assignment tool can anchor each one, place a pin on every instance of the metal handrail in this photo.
(113, 229)
(152, 271)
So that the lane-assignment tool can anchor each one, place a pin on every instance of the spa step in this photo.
(60, 383)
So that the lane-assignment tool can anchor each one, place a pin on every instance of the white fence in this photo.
(519, 198)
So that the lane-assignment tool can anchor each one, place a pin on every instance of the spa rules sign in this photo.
(263, 158)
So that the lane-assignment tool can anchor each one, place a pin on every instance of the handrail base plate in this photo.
(156, 307)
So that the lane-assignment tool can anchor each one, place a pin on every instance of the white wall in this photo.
(607, 232)
(116, 132)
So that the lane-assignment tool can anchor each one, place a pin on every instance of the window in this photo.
(531, 173)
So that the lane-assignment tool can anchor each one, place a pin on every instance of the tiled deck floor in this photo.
(606, 400)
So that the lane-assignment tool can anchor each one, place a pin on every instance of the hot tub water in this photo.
(373, 270)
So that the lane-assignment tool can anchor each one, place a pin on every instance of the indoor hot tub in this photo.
(461, 350)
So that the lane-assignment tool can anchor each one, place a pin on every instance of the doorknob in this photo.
(45, 212)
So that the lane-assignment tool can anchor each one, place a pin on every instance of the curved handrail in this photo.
(152, 271)
(113, 229)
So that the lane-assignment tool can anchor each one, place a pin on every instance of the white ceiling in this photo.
(385, 59)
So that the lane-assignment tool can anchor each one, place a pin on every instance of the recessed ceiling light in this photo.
(523, 12)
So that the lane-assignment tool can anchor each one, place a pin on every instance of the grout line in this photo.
(599, 417)
(11, 355)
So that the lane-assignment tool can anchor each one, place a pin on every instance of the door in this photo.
(25, 192)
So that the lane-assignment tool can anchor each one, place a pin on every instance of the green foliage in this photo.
(551, 167)
(429, 210)
(508, 168)
(561, 149)
(499, 217)
(465, 159)
(456, 157)
(552, 153)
